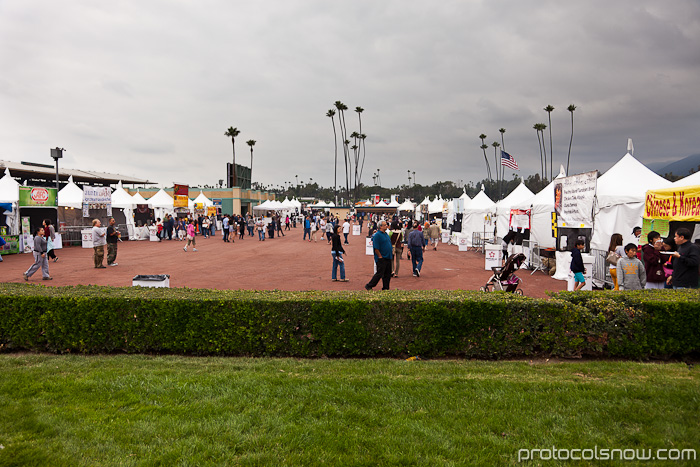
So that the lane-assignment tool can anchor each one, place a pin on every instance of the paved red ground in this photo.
(286, 263)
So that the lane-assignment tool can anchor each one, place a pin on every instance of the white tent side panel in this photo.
(620, 218)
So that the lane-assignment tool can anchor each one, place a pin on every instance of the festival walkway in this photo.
(285, 263)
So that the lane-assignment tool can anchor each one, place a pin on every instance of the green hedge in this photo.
(92, 319)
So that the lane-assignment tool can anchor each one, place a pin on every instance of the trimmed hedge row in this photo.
(93, 319)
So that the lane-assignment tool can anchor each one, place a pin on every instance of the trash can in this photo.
(156, 280)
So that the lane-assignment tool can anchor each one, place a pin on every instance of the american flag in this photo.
(508, 161)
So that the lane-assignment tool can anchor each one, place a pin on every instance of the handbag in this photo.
(612, 258)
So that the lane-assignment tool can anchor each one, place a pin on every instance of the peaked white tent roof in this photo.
(407, 206)
(692, 179)
(381, 204)
(265, 205)
(160, 200)
(9, 188)
(201, 198)
(296, 203)
(437, 205)
(122, 199)
(139, 199)
(287, 203)
(394, 203)
(70, 196)
(425, 201)
(520, 193)
(627, 182)
(465, 196)
(481, 202)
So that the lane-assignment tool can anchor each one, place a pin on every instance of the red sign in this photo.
(39, 195)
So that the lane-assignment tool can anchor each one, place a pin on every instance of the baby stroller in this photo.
(503, 278)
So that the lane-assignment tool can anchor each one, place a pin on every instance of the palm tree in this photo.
(495, 145)
(549, 109)
(232, 133)
(571, 109)
(331, 114)
(363, 137)
(536, 127)
(503, 144)
(343, 134)
(359, 111)
(251, 143)
(484, 147)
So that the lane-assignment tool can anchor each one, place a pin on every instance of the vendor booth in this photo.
(142, 212)
(620, 199)
(162, 204)
(35, 205)
(503, 208)
(668, 209)
(9, 214)
(479, 220)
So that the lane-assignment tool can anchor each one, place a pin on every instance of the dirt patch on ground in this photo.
(285, 263)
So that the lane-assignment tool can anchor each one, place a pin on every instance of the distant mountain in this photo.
(681, 167)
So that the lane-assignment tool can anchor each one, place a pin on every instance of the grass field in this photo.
(144, 410)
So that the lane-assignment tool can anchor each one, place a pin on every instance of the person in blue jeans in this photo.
(307, 227)
(415, 246)
(337, 251)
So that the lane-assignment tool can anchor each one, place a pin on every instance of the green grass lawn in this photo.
(144, 410)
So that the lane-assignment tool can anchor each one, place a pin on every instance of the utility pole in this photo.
(56, 154)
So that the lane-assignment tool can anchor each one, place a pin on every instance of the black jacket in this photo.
(336, 244)
(576, 261)
(685, 268)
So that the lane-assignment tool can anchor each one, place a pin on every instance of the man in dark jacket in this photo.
(415, 246)
(685, 262)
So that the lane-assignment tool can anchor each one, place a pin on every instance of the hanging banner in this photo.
(677, 204)
(181, 196)
(37, 196)
(97, 195)
(519, 219)
(658, 225)
(573, 200)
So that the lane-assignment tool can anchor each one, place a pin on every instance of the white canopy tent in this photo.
(406, 206)
(70, 196)
(138, 198)
(476, 214)
(9, 195)
(161, 203)
(202, 199)
(123, 200)
(541, 208)
(437, 205)
(503, 207)
(620, 198)
(381, 204)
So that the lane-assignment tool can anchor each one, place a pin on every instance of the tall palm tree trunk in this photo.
(335, 168)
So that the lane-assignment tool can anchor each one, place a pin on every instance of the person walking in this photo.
(251, 225)
(205, 226)
(330, 227)
(381, 243)
(434, 233)
(50, 235)
(287, 222)
(40, 259)
(397, 247)
(113, 236)
(415, 246)
(261, 229)
(346, 230)
(307, 227)
(224, 228)
(337, 252)
(98, 243)
(190, 236)
(577, 265)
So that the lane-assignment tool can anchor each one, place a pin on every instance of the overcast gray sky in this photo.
(148, 88)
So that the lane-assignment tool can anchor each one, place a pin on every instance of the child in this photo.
(577, 265)
(630, 271)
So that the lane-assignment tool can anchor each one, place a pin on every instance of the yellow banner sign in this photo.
(180, 201)
(677, 204)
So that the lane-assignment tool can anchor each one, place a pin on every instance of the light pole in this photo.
(57, 153)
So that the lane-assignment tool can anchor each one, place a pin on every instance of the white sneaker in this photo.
(185, 248)
(114, 264)
(194, 249)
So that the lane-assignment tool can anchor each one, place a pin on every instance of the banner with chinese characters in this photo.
(573, 200)
(675, 204)
(181, 196)
(37, 196)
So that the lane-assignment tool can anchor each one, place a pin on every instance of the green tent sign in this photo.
(37, 196)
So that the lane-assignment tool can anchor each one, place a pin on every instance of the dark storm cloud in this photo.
(163, 81)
